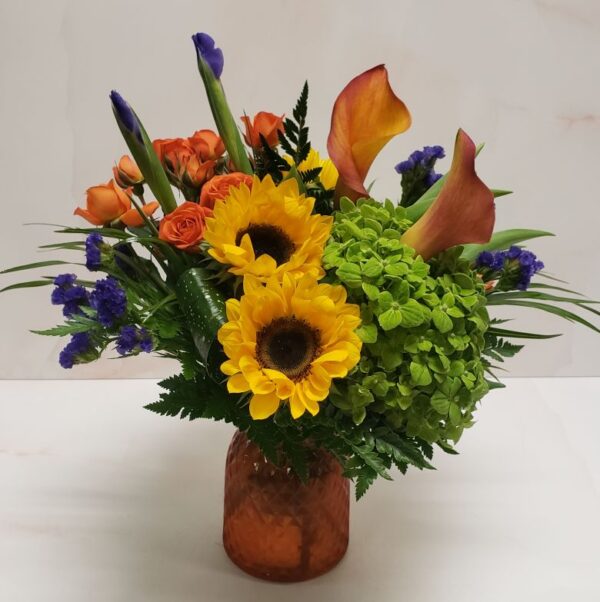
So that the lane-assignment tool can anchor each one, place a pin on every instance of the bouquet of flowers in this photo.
(302, 310)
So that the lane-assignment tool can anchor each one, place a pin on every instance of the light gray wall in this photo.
(521, 75)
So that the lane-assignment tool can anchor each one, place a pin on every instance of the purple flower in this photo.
(93, 256)
(133, 340)
(433, 152)
(431, 178)
(418, 174)
(67, 294)
(513, 268)
(65, 279)
(209, 53)
(405, 166)
(125, 115)
(78, 346)
(109, 301)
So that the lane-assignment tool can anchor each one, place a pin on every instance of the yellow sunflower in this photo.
(328, 174)
(267, 231)
(287, 341)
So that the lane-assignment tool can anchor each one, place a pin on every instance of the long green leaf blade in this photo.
(503, 240)
(29, 284)
(37, 264)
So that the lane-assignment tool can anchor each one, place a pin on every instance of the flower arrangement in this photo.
(301, 309)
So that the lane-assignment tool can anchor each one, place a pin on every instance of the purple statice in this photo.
(528, 265)
(76, 350)
(418, 174)
(512, 269)
(93, 254)
(109, 301)
(208, 52)
(69, 295)
(133, 340)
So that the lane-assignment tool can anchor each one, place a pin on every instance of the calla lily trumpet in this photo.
(464, 211)
(366, 116)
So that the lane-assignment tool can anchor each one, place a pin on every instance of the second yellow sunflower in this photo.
(267, 231)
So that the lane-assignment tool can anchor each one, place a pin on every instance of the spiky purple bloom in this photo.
(418, 174)
(65, 279)
(513, 268)
(124, 113)
(109, 301)
(209, 53)
(133, 340)
(79, 344)
(93, 256)
(67, 294)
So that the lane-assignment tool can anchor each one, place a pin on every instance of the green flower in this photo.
(423, 326)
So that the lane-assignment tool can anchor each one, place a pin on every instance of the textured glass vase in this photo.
(277, 528)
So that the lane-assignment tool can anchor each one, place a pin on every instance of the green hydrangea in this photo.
(423, 326)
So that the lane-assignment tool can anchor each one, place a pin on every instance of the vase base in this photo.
(283, 574)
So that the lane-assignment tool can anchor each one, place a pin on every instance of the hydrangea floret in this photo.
(423, 326)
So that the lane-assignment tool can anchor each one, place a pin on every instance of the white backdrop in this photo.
(521, 75)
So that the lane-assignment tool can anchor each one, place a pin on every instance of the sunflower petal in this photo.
(263, 406)
(237, 383)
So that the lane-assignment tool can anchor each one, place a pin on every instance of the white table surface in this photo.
(101, 500)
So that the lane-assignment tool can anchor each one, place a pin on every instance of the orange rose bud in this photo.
(266, 124)
(104, 204)
(173, 152)
(207, 145)
(127, 173)
(133, 219)
(184, 227)
(217, 188)
(195, 172)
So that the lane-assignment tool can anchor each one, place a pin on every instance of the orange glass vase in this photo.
(277, 528)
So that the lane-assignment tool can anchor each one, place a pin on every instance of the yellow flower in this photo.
(287, 341)
(268, 231)
(328, 174)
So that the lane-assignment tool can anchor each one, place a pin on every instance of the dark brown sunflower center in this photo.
(268, 240)
(288, 345)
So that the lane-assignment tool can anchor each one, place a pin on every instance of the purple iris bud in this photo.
(209, 53)
(126, 115)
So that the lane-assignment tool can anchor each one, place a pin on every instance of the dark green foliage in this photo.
(366, 451)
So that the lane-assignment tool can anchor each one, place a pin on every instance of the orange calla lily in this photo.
(464, 211)
(366, 116)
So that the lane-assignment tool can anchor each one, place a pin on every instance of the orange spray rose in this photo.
(207, 145)
(127, 173)
(217, 188)
(184, 227)
(107, 203)
(266, 124)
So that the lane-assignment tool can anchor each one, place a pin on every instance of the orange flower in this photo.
(185, 166)
(196, 172)
(366, 116)
(127, 173)
(207, 145)
(107, 203)
(217, 188)
(266, 124)
(173, 152)
(463, 212)
(184, 227)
